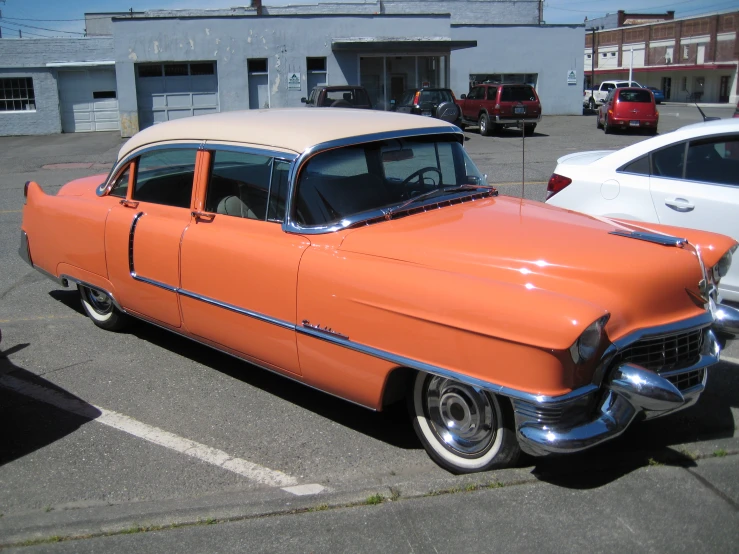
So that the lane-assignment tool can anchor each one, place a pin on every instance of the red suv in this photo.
(493, 107)
(629, 108)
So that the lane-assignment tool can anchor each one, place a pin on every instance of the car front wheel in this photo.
(463, 428)
(100, 308)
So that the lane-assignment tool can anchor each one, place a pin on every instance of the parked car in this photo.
(628, 108)
(686, 178)
(494, 106)
(431, 102)
(351, 251)
(339, 96)
(659, 96)
(592, 98)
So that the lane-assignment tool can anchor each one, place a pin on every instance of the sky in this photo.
(50, 18)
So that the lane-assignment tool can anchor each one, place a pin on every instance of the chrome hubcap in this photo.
(462, 417)
(99, 301)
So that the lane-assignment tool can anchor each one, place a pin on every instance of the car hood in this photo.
(537, 252)
(584, 158)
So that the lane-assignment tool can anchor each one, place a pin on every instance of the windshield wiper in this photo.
(457, 188)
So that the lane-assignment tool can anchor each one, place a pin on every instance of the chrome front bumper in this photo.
(628, 393)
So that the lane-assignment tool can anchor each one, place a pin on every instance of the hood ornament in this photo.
(664, 240)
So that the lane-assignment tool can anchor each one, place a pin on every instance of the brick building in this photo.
(694, 58)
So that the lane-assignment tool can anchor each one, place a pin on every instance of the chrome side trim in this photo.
(23, 250)
(664, 240)
(236, 309)
(292, 226)
(131, 268)
(402, 361)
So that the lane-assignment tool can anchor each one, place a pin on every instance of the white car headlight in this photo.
(587, 344)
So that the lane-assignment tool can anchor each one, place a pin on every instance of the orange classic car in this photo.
(363, 254)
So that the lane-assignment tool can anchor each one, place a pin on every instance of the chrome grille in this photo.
(688, 380)
(665, 353)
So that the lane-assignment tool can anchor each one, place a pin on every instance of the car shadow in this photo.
(391, 426)
(663, 441)
(29, 423)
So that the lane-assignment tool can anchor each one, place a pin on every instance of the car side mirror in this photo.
(463, 97)
(304, 100)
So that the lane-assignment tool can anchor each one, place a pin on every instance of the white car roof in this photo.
(696, 130)
(294, 129)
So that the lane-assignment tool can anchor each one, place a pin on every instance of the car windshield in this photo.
(435, 96)
(642, 95)
(343, 182)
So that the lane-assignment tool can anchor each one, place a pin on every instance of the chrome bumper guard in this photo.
(726, 320)
(630, 392)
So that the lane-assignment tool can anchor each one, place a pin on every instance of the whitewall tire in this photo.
(101, 309)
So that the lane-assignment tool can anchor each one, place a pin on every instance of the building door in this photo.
(175, 90)
(723, 90)
(667, 87)
(88, 100)
(258, 83)
(397, 86)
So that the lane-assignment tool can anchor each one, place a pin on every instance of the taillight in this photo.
(25, 189)
(416, 97)
(556, 184)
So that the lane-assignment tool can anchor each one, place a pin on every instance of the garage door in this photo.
(175, 90)
(88, 100)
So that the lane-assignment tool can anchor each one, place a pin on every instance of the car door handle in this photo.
(679, 204)
(202, 215)
(129, 203)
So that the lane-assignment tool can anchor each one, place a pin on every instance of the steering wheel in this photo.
(419, 173)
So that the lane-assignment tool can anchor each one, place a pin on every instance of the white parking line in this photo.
(160, 437)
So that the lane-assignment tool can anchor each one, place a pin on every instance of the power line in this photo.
(78, 19)
(5, 26)
(43, 28)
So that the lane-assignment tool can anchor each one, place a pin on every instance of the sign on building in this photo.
(571, 77)
(293, 81)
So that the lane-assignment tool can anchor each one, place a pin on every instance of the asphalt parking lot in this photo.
(143, 441)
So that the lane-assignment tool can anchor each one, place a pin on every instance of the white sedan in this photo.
(686, 178)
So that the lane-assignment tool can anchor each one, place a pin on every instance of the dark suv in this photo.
(495, 106)
(338, 96)
(431, 102)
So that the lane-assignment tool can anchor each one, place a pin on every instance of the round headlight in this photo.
(722, 267)
(587, 344)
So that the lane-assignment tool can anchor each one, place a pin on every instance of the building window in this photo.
(16, 95)
(257, 65)
(686, 51)
(315, 64)
(589, 56)
(176, 69)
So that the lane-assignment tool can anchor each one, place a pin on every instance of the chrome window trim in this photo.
(278, 154)
(292, 226)
(104, 188)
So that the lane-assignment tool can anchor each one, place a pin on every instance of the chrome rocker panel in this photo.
(630, 392)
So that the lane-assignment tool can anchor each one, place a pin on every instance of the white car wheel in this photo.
(463, 428)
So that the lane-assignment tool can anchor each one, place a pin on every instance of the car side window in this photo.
(120, 188)
(239, 184)
(478, 93)
(166, 177)
(492, 93)
(278, 191)
(714, 160)
(639, 166)
(669, 162)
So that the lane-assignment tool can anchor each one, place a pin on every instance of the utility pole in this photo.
(592, 64)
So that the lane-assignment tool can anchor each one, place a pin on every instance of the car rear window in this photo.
(635, 96)
(435, 96)
(522, 93)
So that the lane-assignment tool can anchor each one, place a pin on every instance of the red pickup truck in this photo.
(495, 106)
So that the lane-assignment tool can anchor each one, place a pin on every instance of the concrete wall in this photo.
(230, 41)
(549, 50)
(45, 120)
(26, 52)
(28, 58)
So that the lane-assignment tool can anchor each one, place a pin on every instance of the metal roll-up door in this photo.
(88, 100)
(167, 91)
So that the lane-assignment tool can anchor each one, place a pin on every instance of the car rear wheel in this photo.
(529, 130)
(484, 123)
(463, 428)
(100, 308)
(606, 129)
